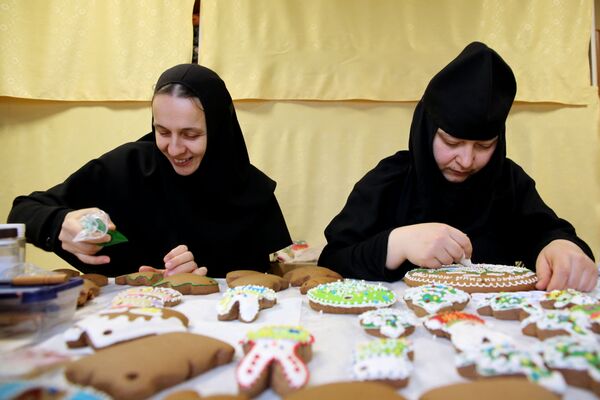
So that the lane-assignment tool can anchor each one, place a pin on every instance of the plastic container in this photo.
(36, 309)
(10, 249)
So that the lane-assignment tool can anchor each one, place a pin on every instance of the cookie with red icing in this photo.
(275, 356)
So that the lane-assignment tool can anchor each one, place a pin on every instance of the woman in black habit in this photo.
(454, 194)
(184, 195)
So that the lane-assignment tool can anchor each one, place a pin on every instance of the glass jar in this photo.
(11, 252)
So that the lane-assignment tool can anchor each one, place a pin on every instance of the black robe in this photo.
(226, 212)
(498, 208)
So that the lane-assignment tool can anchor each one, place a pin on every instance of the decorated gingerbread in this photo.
(275, 356)
(350, 296)
(384, 360)
(388, 322)
(433, 298)
(244, 302)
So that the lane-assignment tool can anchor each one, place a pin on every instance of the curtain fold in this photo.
(387, 50)
(90, 50)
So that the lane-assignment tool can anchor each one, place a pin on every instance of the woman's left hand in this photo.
(177, 261)
(562, 264)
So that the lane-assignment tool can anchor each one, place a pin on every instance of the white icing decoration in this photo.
(382, 359)
(553, 320)
(433, 297)
(248, 299)
(576, 348)
(344, 292)
(391, 322)
(496, 276)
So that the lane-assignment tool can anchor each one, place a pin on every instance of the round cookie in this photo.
(349, 297)
(491, 389)
(347, 390)
(387, 361)
(434, 298)
(475, 279)
(244, 302)
(188, 283)
(388, 322)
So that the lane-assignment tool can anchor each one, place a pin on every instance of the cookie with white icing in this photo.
(434, 298)
(494, 360)
(577, 360)
(566, 298)
(476, 278)
(147, 296)
(245, 302)
(113, 326)
(388, 322)
(275, 356)
(387, 361)
(466, 331)
(591, 312)
(349, 296)
(545, 324)
(507, 305)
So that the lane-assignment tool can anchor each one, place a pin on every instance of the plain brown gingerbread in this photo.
(491, 389)
(347, 391)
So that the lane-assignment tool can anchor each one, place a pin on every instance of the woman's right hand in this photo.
(84, 250)
(428, 245)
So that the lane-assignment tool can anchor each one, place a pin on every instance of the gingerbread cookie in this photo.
(478, 278)
(188, 283)
(466, 331)
(142, 367)
(114, 326)
(387, 361)
(349, 296)
(347, 390)
(244, 302)
(494, 360)
(434, 298)
(147, 296)
(388, 322)
(491, 389)
(71, 273)
(591, 312)
(308, 277)
(99, 280)
(577, 360)
(567, 298)
(193, 395)
(275, 356)
(545, 324)
(87, 292)
(146, 278)
(248, 277)
(507, 305)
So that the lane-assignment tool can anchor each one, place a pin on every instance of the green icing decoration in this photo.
(294, 333)
(383, 347)
(116, 237)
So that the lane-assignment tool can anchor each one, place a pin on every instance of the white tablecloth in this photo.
(335, 338)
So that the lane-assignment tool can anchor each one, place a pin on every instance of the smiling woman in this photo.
(184, 195)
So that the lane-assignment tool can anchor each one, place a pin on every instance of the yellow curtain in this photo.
(90, 50)
(388, 50)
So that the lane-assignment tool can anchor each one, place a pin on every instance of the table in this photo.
(335, 338)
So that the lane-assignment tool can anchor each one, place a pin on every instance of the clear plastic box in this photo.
(36, 309)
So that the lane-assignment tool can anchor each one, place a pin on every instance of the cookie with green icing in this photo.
(494, 360)
(591, 312)
(566, 298)
(545, 324)
(434, 298)
(388, 322)
(507, 305)
(350, 296)
(578, 361)
(384, 360)
(146, 278)
(189, 283)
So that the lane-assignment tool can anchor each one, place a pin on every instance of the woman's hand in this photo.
(177, 261)
(428, 245)
(562, 264)
(84, 250)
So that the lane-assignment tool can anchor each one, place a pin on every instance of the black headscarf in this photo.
(470, 99)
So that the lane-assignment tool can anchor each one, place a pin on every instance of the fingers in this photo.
(93, 260)
(544, 273)
(147, 268)
(202, 271)
(463, 242)
(190, 266)
(182, 248)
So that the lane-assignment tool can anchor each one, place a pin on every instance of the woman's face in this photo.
(180, 131)
(458, 159)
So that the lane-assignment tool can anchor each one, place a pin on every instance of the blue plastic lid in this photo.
(34, 294)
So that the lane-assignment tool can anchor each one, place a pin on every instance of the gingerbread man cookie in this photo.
(384, 360)
(275, 356)
(244, 302)
(434, 298)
